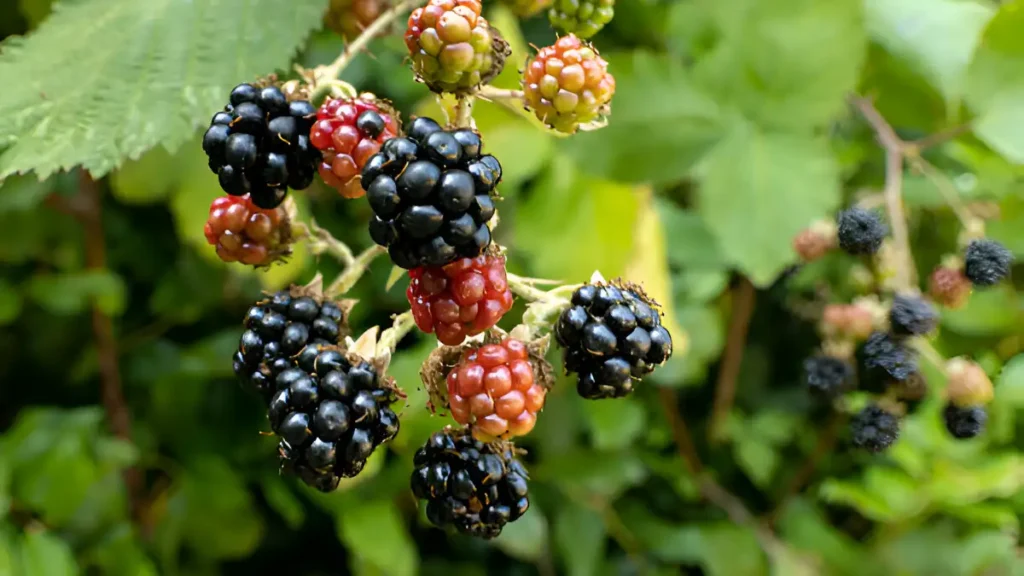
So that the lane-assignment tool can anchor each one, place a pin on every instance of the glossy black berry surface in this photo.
(282, 332)
(259, 145)
(611, 336)
(474, 487)
(430, 192)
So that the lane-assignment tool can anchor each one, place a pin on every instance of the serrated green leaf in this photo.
(661, 124)
(787, 63)
(936, 37)
(580, 535)
(104, 80)
(374, 533)
(759, 189)
(996, 83)
(43, 554)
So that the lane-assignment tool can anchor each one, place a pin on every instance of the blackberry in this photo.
(827, 375)
(453, 48)
(285, 331)
(949, 287)
(349, 133)
(493, 391)
(461, 299)
(331, 418)
(568, 84)
(243, 232)
(611, 334)
(860, 231)
(885, 359)
(964, 422)
(874, 429)
(986, 262)
(583, 18)
(911, 316)
(431, 193)
(474, 487)
(259, 145)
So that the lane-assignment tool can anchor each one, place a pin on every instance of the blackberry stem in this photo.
(464, 112)
(400, 326)
(355, 270)
(334, 69)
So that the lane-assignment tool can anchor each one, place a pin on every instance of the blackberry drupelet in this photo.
(874, 429)
(583, 18)
(259, 145)
(282, 332)
(349, 133)
(494, 392)
(964, 422)
(986, 262)
(243, 232)
(912, 316)
(460, 299)
(474, 487)
(885, 359)
(431, 193)
(331, 418)
(828, 376)
(860, 231)
(612, 334)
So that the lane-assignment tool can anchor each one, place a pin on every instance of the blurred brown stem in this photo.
(725, 388)
(87, 208)
(334, 69)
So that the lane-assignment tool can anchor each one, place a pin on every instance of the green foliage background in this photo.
(730, 133)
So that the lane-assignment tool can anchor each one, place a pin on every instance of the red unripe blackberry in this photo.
(949, 287)
(568, 84)
(350, 17)
(349, 132)
(494, 392)
(453, 48)
(611, 335)
(461, 299)
(474, 487)
(242, 232)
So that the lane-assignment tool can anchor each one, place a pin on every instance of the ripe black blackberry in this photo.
(874, 429)
(331, 418)
(885, 359)
(431, 193)
(259, 145)
(860, 231)
(986, 262)
(475, 487)
(284, 331)
(612, 334)
(965, 422)
(911, 316)
(828, 376)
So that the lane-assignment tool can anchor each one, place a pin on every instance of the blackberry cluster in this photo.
(911, 316)
(259, 145)
(886, 358)
(828, 376)
(611, 334)
(242, 232)
(874, 429)
(453, 47)
(469, 485)
(461, 299)
(568, 84)
(986, 262)
(282, 332)
(964, 422)
(332, 418)
(431, 195)
(493, 391)
(860, 231)
(349, 133)
(583, 18)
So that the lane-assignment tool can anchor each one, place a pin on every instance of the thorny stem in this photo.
(895, 149)
(334, 69)
(491, 93)
(321, 241)
(355, 270)
(464, 112)
(523, 287)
